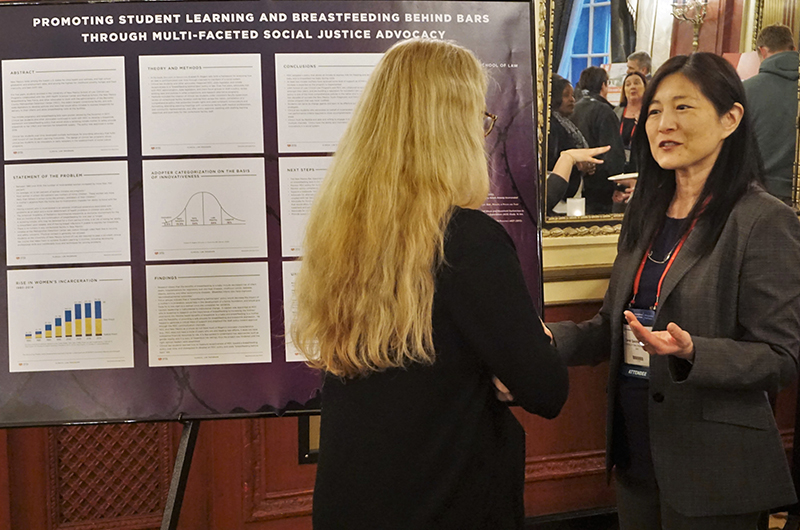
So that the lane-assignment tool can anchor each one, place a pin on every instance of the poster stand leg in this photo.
(180, 474)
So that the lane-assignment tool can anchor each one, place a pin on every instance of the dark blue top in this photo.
(632, 436)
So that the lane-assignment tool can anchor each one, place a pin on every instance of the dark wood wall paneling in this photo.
(245, 473)
(5, 506)
(720, 32)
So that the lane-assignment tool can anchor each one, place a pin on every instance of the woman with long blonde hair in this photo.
(411, 300)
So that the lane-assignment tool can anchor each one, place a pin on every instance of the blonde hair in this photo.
(413, 150)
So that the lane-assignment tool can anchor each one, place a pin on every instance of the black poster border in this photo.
(249, 391)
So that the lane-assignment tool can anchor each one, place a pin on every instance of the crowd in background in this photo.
(580, 119)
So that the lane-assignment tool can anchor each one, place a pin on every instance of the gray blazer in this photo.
(715, 445)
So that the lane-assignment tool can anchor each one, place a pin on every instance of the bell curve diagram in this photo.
(202, 209)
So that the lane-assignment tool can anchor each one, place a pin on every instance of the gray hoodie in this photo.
(772, 106)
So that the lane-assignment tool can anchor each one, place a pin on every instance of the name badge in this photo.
(637, 361)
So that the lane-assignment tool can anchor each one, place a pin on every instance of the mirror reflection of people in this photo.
(772, 96)
(596, 120)
(564, 135)
(630, 106)
(558, 180)
(702, 314)
(410, 300)
(640, 62)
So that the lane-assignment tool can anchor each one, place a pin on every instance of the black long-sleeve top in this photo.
(431, 446)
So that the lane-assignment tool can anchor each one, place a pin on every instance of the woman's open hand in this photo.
(673, 341)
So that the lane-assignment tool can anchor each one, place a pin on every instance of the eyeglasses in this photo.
(488, 123)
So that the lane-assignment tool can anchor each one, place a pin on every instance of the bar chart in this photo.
(70, 319)
(81, 320)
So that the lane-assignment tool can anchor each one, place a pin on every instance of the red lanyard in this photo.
(638, 277)
(622, 124)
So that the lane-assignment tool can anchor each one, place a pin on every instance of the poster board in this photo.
(159, 159)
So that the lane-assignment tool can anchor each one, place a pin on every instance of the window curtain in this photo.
(623, 32)
(561, 17)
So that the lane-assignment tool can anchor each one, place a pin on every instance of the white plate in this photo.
(624, 176)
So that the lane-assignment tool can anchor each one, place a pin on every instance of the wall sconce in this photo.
(693, 11)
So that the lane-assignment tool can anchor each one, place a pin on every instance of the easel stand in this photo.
(180, 474)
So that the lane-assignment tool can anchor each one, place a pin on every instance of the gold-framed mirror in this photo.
(728, 28)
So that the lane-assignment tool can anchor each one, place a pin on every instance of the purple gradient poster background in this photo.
(499, 33)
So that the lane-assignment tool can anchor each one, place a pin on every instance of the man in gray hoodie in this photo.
(772, 105)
